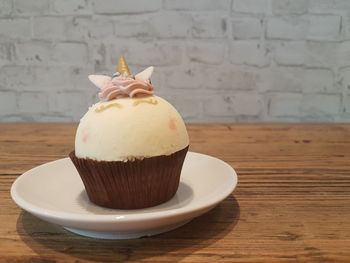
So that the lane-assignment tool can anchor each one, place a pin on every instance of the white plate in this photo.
(54, 192)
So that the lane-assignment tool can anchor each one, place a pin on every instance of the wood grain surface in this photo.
(292, 203)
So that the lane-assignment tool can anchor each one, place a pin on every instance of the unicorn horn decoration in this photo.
(122, 83)
(123, 68)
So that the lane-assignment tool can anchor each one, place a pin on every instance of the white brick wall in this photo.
(224, 60)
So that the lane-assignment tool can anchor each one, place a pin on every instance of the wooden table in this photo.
(292, 202)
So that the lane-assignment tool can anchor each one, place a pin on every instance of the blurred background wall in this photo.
(222, 60)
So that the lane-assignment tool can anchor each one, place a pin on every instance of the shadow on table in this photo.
(46, 239)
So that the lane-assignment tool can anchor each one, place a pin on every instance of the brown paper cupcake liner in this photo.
(131, 184)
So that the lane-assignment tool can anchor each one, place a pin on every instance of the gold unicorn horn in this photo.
(122, 67)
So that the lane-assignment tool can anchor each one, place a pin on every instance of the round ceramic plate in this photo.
(54, 192)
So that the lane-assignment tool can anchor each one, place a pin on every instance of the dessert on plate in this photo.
(131, 145)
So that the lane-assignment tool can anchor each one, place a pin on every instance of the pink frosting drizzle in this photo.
(121, 87)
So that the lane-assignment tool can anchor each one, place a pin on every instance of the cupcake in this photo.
(131, 145)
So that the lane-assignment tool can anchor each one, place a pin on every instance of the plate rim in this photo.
(89, 218)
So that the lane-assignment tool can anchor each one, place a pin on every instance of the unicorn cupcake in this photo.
(131, 145)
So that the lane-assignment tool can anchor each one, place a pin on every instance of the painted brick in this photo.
(16, 118)
(345, 78)
(100, 27)
(71, 7)
(87, 28)
(280, 60)
(347, 104)
(20, 28)
(45, 53)
(345, 85)
(321, 54)
(73, 103)
(206, 52)
(76, 28)
(139, 26)
(70, 53)
(319, 81)
(323, 27)
(33, 52)
(246, 104)
(346, 27)
(206, 26)
(286, 7)
(6, 53)
(249, 53)
(32, 102)
(9, 76)
(50, 77)
(78, 79)
(188, 78)
(54, 117)
(252, 6)
(8, 104)
(98, 56)
(294, 28)
(290, 53)
(171, 24)
(5, 7)
(126, 6)
(229, 78)
(320, 104)
(285, 79)
(36, 78)
(284, 104)
(343, 54)
(328, 7)
(246, 28)
(148, 53)
(31, 7)
(198, 5)
(47, 27)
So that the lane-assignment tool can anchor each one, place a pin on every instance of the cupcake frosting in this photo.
(123, 85)
(129, 122)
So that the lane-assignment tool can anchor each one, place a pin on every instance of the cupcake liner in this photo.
(131, 184)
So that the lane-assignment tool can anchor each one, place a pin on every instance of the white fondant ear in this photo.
(145, 75)
(99, 80)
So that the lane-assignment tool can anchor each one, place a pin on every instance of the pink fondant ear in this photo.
(99, 80)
